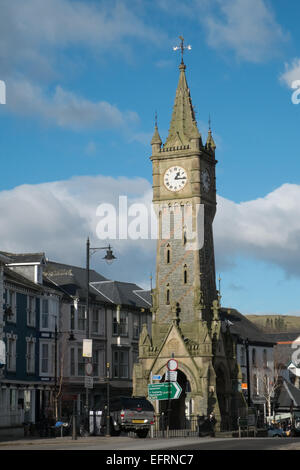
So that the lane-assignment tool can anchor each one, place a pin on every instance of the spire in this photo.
(183, 127)
(156, 137)
(210, 143)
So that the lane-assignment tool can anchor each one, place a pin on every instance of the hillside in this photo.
(276, 323)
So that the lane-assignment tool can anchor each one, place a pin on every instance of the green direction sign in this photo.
(164, 391)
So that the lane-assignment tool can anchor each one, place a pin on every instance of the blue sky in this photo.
(84, 79)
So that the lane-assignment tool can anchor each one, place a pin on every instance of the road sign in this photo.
(88, 381)
(172, 364)
(156, 377)
(89, 368)
(171, 376)
(164, 391)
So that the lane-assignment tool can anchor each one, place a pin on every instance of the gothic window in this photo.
(168, 254)
(185, 275)
(168, 296)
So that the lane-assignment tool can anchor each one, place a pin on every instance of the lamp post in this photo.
(71, 338)
(107, 398)
(246, 343)
(109, 258)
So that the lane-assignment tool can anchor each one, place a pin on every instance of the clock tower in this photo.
(186, 324)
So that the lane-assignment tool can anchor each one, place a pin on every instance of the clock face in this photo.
(206, 180)
(175, 178)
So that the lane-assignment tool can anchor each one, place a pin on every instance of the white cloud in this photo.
(57, 217)
(32, 32)
(65, 109)
(267, 229)
(248, 27)
(291, 73)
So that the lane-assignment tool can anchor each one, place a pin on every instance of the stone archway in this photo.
(177, 407)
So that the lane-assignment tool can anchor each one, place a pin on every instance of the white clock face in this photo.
(175, 178)
(206, 180)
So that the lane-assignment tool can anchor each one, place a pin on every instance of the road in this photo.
(167, 445)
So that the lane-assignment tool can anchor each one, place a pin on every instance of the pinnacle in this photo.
(183, 125)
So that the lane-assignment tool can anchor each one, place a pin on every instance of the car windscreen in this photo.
(134, 403)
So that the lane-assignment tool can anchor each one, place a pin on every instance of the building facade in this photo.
(117, 311)
(26, 333)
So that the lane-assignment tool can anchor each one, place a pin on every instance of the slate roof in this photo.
(16, 278)
(124, 293)
(71, 279)
(243, 328)
(285, 337)
(24, 257)
(288, 393)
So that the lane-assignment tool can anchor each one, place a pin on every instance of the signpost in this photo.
(164, 391)
(171, 376)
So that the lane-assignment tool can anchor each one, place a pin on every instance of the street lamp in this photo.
(71, 338)
(107, 398)
(109, 258)
(246, 344)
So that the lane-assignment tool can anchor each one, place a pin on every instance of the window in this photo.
(254, 357)
(115, 325)
(136, 327)
(81, 363)
(81, 317)
(185, 276)
(168, 256)
(44, 358)
(30, 356)
(120, 328)
(265, 358)
(11, 306)
(45, 313)
(31, 306)
(168, 296)
(123, 324)
(98, 363)
(72, 317)
(11, 353)
(95, 321)
(120, 364)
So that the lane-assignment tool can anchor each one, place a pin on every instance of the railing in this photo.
(190, 427)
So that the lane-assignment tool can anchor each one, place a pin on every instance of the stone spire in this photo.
(156, 140)
(183, 127)
(210, 143)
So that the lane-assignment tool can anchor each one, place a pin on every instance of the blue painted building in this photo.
(29, 313)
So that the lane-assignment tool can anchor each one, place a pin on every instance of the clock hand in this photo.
(178, 178)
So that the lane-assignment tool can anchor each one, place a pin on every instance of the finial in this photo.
(209, 123)
(182, 48)
(155, 118)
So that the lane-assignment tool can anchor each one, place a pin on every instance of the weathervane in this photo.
(182, 47)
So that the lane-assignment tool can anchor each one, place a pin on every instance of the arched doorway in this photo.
(175, 410)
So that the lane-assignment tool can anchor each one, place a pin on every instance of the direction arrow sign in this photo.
(164, 391)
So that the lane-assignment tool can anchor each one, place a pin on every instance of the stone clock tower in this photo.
(185, 303)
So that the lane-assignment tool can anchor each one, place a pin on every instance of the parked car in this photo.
(129, 414)
(276, 432)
